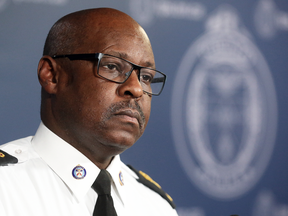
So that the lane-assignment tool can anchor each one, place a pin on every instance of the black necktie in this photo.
(104, 204)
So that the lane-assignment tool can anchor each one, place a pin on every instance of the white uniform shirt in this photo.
(42, 184)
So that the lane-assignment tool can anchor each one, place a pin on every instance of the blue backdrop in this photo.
(217, 137)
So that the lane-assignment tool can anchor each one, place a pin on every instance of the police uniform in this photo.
(53, 178)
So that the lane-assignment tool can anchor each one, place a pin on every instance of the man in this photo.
(98, 77)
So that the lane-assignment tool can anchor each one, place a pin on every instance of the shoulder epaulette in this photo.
(150, 183)
(6, 159)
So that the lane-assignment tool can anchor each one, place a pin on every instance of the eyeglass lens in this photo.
(119, 70)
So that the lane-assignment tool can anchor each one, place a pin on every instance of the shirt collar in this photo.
(118, 178)
(62, 158)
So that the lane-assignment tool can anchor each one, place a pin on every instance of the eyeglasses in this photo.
(118, 70)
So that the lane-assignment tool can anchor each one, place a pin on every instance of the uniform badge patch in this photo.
(79, 172)
(121, 179)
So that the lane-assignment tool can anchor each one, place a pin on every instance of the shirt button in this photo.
(18, 151)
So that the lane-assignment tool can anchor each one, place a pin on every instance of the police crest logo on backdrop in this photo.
(224, 109)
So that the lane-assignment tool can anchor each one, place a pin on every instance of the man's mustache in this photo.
(116, 107)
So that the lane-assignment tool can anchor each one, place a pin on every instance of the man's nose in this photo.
(132, 87)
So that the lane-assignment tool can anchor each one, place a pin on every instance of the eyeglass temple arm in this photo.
(158, 80)
(78, 56)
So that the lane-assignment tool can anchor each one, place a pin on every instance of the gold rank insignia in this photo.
(150, 183)
(149, 178)
(6, 158)
(2, 155)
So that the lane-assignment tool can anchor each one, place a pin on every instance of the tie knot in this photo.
(102, 184)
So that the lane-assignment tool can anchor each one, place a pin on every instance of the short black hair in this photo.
(64, 36)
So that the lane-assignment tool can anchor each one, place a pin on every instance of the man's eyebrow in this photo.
(118, 54)
(125, 56)
(122, 55)
(149, 64)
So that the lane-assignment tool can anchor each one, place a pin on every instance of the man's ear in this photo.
(47, 74)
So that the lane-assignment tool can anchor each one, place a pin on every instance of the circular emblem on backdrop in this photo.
(224, 109)
(79, 172)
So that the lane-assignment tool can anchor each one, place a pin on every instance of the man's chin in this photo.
(123, 143)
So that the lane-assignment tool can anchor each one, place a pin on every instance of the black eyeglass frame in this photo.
(98, 56)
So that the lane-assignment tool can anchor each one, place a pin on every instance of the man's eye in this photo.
(110, 66)
(147, 78)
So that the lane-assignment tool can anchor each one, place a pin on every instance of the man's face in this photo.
(94, 111)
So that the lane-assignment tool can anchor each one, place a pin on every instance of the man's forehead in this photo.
(95, 22)
(108, 30)
(125, 42)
